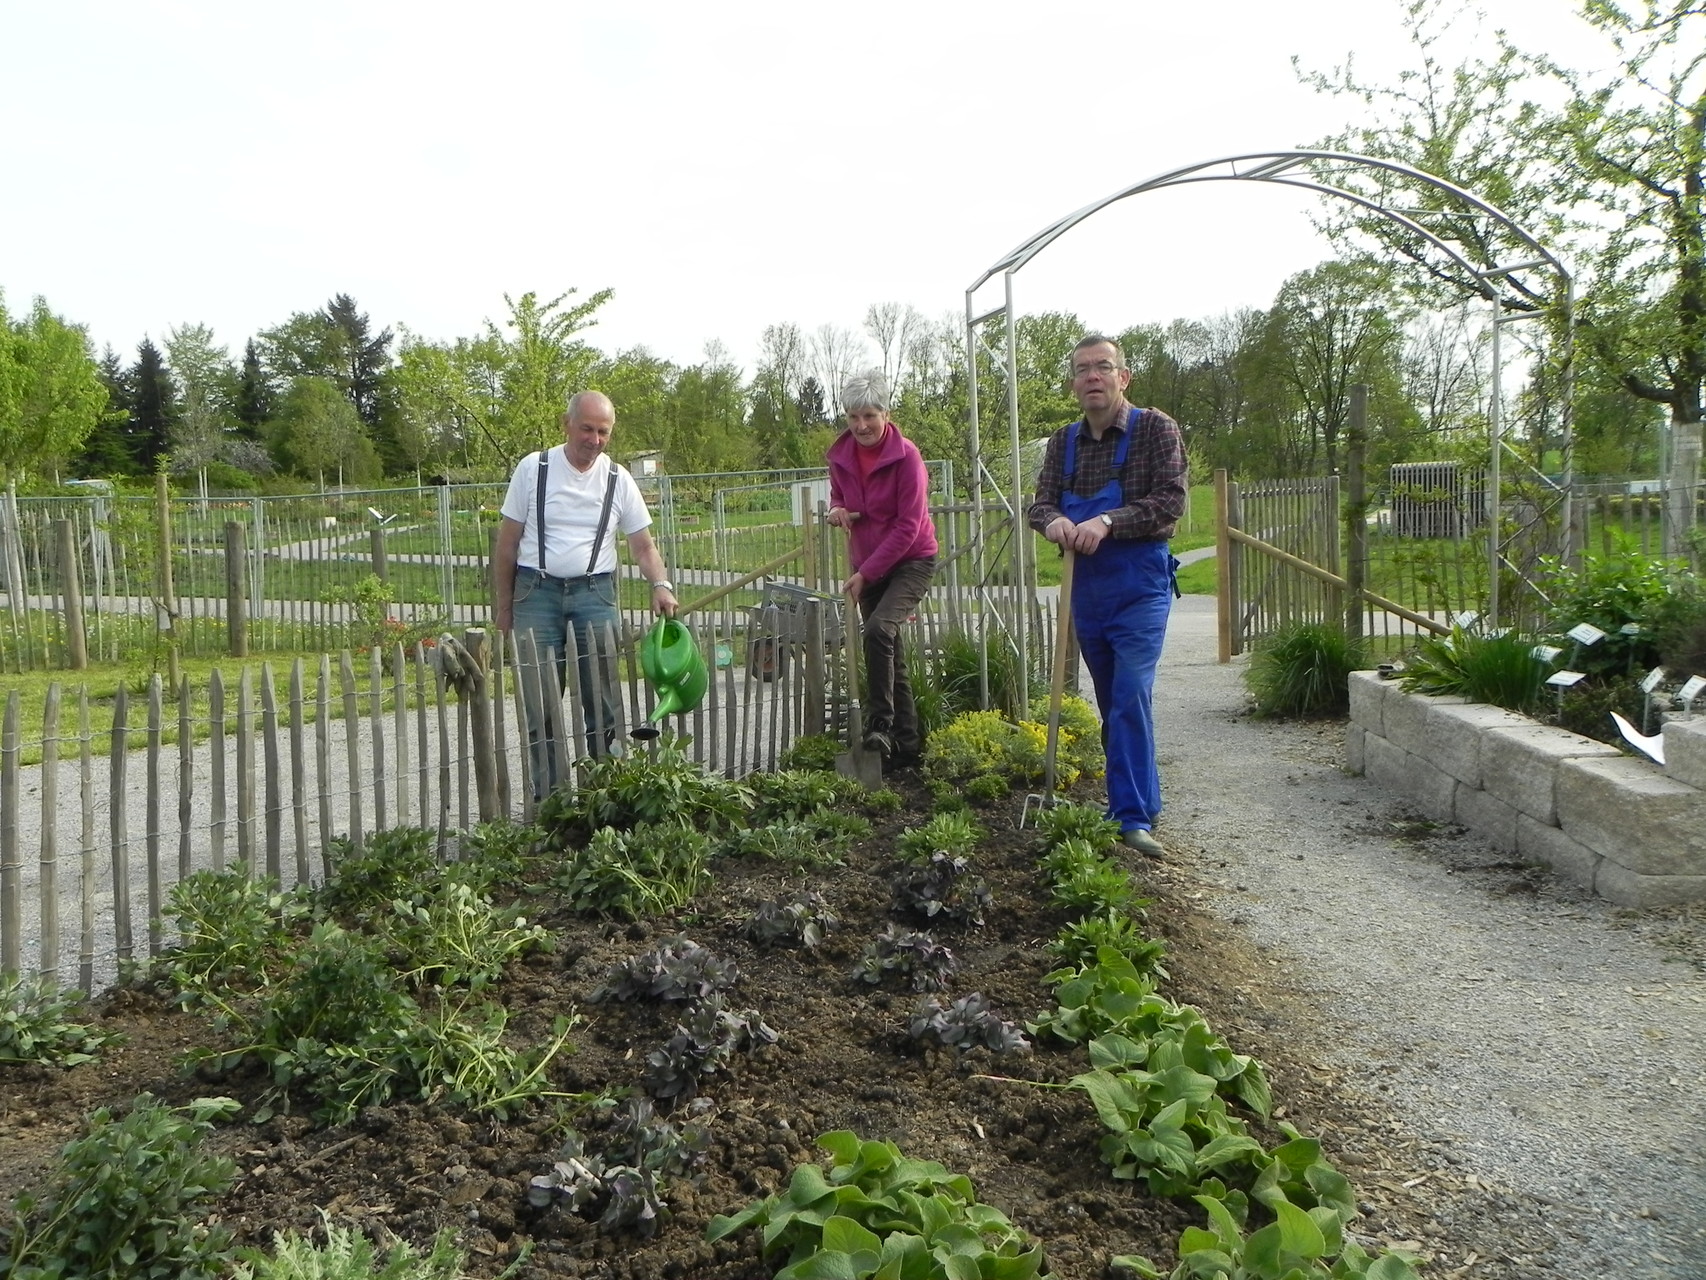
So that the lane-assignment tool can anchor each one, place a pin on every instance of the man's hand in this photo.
(854, 587)
(1084, 538)
(503, 618)
(1059, 531)
(664, 602)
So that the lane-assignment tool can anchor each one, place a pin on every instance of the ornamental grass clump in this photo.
(1503, 669)
(1304, 669)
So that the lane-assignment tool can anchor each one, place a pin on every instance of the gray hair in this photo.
(1097, 340)
(868, 390)
(581, 398)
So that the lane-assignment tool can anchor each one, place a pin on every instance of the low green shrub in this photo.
(954, 834)
(400, 862)
(128, 1198)
(819, 840)
(987, 789)
(812, 751)
(38, 1023)
(1061, 822)
(884, 801)
(1303, 669)
(650, 869)
(793, 794)
(658, 787)
(234, 931)
(348, 1254)
(1078, 943)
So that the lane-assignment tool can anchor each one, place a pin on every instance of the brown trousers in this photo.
(884, 606)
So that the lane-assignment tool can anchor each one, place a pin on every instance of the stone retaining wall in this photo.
(1627, 829)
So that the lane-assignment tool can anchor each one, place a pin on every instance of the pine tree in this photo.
(254, 395)
(153, 408)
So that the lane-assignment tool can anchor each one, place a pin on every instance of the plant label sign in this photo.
(1652, 679)
(1585, 633)
(1466, 619)
(1690, 690)
(1545, 653)
(1630, 628)
(1564, 679)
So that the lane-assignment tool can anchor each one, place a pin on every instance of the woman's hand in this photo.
(842, 518)
(854, 587)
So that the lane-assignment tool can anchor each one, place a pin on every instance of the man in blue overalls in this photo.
(1112, 487)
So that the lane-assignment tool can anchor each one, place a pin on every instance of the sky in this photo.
(720, 166)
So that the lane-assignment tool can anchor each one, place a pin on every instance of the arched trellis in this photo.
(1502, 281)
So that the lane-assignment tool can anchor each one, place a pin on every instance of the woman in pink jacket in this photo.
(879, 493)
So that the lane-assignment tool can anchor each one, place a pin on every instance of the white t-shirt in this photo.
(573, 500)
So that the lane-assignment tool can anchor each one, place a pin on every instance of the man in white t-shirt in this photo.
(554, 563)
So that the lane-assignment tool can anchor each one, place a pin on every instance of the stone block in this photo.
(1354, 736)
(1570, 860)
(1685, 751)
(1432, 790)
(1628, 811)
(1488, 817)
(1616, 883)
(1446, 732)
(1368, 695)
(1519, 764)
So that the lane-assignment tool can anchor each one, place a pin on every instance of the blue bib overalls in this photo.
(1121, 596)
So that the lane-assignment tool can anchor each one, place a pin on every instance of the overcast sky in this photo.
(721, 166)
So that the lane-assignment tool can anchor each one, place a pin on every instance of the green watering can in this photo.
(673, 665)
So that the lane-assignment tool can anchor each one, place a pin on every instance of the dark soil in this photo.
(844, 1060)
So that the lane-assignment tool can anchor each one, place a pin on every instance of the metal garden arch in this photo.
(1513, 253)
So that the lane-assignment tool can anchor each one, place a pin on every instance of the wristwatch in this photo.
(1107, 520)
(665, 583)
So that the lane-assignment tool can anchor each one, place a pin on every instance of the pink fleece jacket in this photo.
(893, 502)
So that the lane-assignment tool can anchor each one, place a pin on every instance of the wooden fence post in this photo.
(485, 762)
(376, 540)
(1356, 511)
(71, 594)
(236, 590)
(11, 864)
(168, 594)
(1222, 567)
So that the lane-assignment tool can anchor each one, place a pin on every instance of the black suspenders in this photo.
(603, 515)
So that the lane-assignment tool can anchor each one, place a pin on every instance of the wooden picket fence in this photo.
(275, 773)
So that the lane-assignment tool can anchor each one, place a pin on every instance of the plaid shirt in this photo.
(1153, 477)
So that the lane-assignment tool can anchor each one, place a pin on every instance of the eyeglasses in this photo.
(1103, 367)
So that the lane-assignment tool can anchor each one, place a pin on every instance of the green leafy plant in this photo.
(967, 1023)
(400, 863)
(981, 742)
(648, 870)
(819, 840)
(458, 938)
(795, 794)
(1298, 1244)
(1061, 822)
(662, 786)
(1077, 944)
(926, 963)
(1084, 880)
(348, 1254)
(884, 800)
(815, 751)
(1611, 592)
(127, 1200)
(1303, 669)
(878, 1212)
(987, 789)
(1500, 669)
(954, 834)
(1080, 745)
(38, 1023)
(233, 930)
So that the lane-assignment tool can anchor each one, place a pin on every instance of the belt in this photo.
(549, 577)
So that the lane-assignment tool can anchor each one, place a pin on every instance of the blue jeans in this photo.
(548, 609)
(1120, 600)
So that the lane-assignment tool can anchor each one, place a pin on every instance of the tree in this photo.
(153, 408)
(775, 397)
(891, 326)
(254, 397)
(105, 450)
(542, 365)
(206, 384)
(51, 395)
(837, 354)
(317, 430)
(1615, 173)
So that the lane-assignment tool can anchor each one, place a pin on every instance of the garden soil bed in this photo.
(844, 1061)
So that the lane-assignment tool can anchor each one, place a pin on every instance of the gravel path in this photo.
(1548, 1049)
